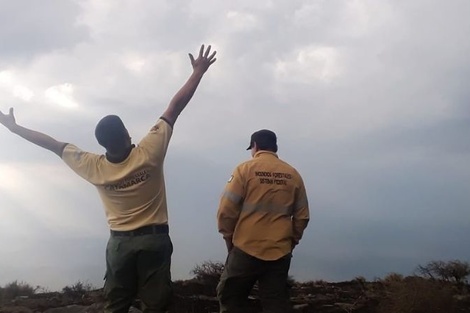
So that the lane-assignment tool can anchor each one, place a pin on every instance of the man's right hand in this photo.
(229, 244)
(8, 120)
(203, 61)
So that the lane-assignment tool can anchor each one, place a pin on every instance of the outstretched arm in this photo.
(40, 139)
(182, 97)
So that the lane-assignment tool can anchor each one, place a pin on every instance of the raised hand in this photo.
(186, 92)
(204, 60)
(8, 120)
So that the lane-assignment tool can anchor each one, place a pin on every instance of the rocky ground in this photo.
(320, 297)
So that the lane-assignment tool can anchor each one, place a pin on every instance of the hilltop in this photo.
(433, 291)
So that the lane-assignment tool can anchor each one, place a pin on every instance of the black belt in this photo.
(144, 230)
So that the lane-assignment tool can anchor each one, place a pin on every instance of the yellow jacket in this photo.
(264, 208)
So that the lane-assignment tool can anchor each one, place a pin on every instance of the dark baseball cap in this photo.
(109, 130)
(265, 140)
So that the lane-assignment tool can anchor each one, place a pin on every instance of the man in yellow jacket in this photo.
(262, 216)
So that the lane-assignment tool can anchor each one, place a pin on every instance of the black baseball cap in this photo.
(265, 140)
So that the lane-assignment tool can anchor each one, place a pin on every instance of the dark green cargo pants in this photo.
(240, 274)
(138, 266)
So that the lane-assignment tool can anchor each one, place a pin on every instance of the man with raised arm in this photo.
(129, 179)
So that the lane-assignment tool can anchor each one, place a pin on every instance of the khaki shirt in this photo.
(133, 191)
(264, 207)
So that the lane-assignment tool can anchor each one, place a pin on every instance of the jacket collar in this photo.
(265, 153)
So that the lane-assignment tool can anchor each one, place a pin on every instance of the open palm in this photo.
(204, 60)
(8, 120)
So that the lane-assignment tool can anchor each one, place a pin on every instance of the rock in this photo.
(16, 309)
(69, 309)
(94, 308)
(300, 306)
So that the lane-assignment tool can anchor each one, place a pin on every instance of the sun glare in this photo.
(242, 21)
(134, 63)
(6, 77)
(11, 179)
(8, 81)
(309, 64)
(23, 93)
(61, 95)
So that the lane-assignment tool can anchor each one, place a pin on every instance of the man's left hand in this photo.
(204, 60)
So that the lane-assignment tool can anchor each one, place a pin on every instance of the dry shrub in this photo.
(415, 295)
(320, 283)
(79, 289)
(17, 289)
(453, 271)
(361, 281)
(291, 281)
(208, 272)
(393, 278)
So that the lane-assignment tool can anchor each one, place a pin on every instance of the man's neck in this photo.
(119, 157)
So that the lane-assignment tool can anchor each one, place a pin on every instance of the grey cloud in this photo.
(29, 28)
(381, 147)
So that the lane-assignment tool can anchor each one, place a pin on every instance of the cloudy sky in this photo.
(369, 99)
